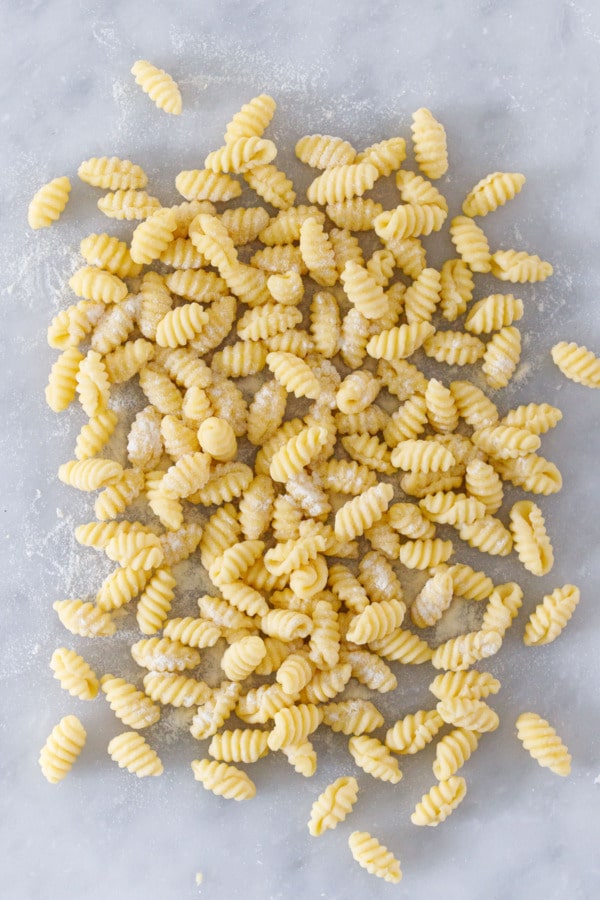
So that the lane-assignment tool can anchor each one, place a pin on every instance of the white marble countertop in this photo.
(518, 86)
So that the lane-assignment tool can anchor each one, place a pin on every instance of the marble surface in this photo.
(518, 87)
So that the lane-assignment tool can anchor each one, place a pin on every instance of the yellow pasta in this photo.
(577, 363)
(272, 185)
(374, 857)
(322, 151)
(440, 801)
(159, 86)
(84, 619)
(74, 674)
(342, 182)
(62, 748)
(543, 743)
(551, 615)
(252, 119)
(128, 204)
(223, 780)
(333, 805)
(519, 267)
(463, 712)
(429, 139)
(363, 291)
(130, 751)
(463, 651)
(491, 192)
(470, 685)
(109, 253)
(471, 244)
(202, 184)
(241, 154)
(48, 203)
(112, 173)
(456, 288)
(317, 252)
(530, 538)
(410, 220)
(412, 733)
(131, 706)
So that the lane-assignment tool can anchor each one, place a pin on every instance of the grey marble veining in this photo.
(517, 84)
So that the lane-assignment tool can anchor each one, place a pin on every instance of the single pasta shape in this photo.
(62, 748)
(429, 139)
(374, 857)
(321, 151)
(471, 244)
(577, 363)
(491, 192)
(223, 780)
(74, 674)
(543, 743)
(440, 801)
(252, 119)
(530, 538)
(519, 267)
(159, 86)
(112, 174)
(48, 203)
(130, 751)
(373, 757)
(551, 615)
(333, 805)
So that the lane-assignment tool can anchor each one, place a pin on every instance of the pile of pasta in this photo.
(227, 316)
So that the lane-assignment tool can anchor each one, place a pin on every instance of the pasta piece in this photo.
(90, 474)
(242, 657)
(322, 151)
(95, 435)
(422, 297)
(131, 706)
(363, 291)
(246, 745)
(48, 204)
(454, 348)
(346, 248)
(374, 857)
(399, 342)
(532, 473)
(84, 619)
(180, 253)
(152, 236)
(252, 119)
(433, 600)
(272, 185)
(422, 456)
(376, 621)
(372, 756)
(286, 624)
(164, 655)
(293, 724)
(488, 535)
(411, 734)
(475, 715)
(577, 363)
(352, 716)
(241, 154)
(109, 253)
(62, 748)
(333, 805)
(155, 600)
(463, 651)
(357, 214)
(543, 743)
(128, 205)
(506, 441)
(456, 288)
(159, 86)
(96, 284)
(502, 607)
(410, 220)
(403, 646)
(202, 184)
(317, 253)
(484, 484)
(530, 538)
(551, 615)
(519, 267)
(112, 173)
(440, 802)
(287, 289)
(223, 780)
(294, 374)
(471, 685)
(359, 514)
(471, 244)
(217, 438)
(192, 632)
(429, 139)
(302, 757)
(342, 182)
(491, 192)
(130, 751)
(325, 323)
(74, 674)
(298, 452)
(493, 313)
(211, 716)
(536, 417)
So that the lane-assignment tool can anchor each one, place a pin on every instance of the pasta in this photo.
(440, 802)
(62, 748)
(374, 857)
(159, 86)
(333, 805)
(130, 751)
(577, 363)
(551, 615)
(543, 743)
(49, 203)
(299, 599)
(74, 674)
